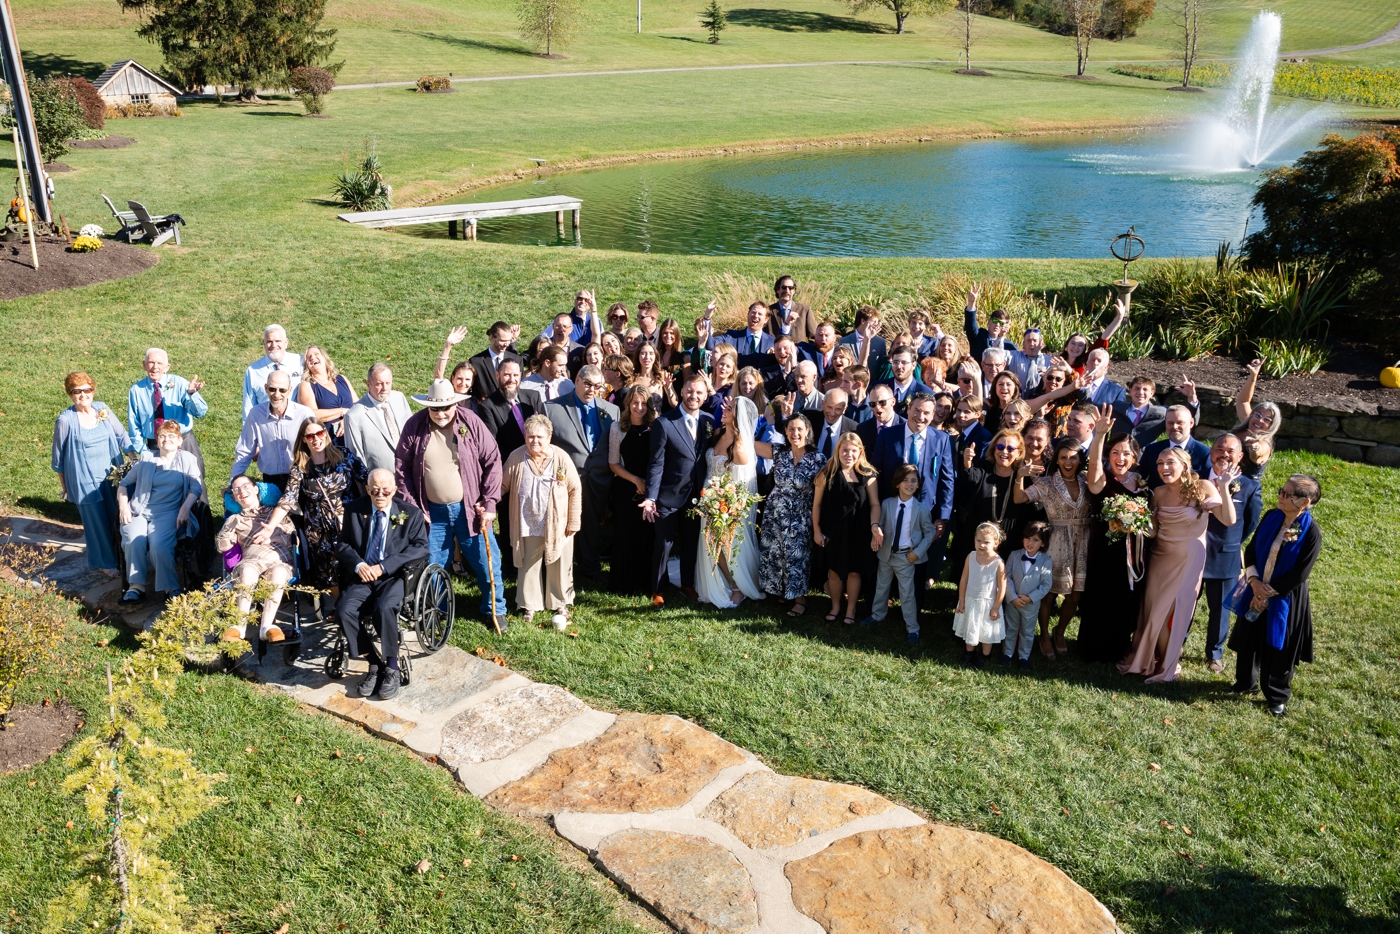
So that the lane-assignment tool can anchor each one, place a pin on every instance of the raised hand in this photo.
(1188, 388)
(1120, 308)
(969, 453)
(587, 296)
(1104, 423)
(710, 310)
(786, 403)
(1224, 478)
(972, 295)
(1254, 366)
(196, 384)
(456, 335)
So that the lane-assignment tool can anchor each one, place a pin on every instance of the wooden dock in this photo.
(466, 216)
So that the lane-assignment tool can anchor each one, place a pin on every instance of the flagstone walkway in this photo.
(696, 828)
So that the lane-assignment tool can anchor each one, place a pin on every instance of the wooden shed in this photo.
(131, 84)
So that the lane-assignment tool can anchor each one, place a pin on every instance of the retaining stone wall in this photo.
(1348, 429)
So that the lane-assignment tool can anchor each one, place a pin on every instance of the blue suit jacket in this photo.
(739, 340)
(869, 430)
(1223, 542)
(1110, 393)
(979, 436)
(877, 346)
(1200, 459)
(902, 405)
(677, 468)
(808, 351)
(936, 490)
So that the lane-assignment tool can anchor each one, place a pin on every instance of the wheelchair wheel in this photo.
(436, 606)
(405, 667)
(335, 659)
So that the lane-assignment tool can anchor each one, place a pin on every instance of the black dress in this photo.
(630, 570)
(1108, 607)
(982, 495)
(845, 521)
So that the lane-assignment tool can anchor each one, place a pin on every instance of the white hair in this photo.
(384, 472)
(994, 355)
(151, 350)
(809, 364)
(267, 331)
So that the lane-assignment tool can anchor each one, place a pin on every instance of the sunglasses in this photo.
(1008, 447)
(787, 288)
(277, 389)
(964, 379)
(1285, 491)
(882, 402)
(80, 391)
(1032, 330)
(318, 433)
(618, 317)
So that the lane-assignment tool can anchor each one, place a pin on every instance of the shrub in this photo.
(434, 83)
(1357, 84)
(311, 85)
(57, 115)
(90, 230)
(82, 244)
(363, 189)
(31, 622)
(94, 107)
(142, 110)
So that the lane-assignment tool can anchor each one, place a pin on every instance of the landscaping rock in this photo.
(765, 810)
(1384, 430)
(369, 715)
(1384, 455)
(934, 878)
(1308, 426)
(698, 886)
(643, 763)
(500, 725)
(1347, 452)
(446, 677)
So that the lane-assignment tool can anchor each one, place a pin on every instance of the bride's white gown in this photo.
(743, 567)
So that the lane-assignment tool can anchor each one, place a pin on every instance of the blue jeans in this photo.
(448, 523)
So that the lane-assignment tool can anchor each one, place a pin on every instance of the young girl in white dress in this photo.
(980, 594)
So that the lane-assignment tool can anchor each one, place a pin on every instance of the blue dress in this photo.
(155, 492)
(84, 456)
(342, 398)
(786, 539)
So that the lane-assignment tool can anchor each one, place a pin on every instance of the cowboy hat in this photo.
(440, 394)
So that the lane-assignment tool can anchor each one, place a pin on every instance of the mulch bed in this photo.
(1353, 373)
(36, 732)
(52, 167)
(107, 142)
(59, 269)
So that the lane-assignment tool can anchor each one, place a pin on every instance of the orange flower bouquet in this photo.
(721, 508)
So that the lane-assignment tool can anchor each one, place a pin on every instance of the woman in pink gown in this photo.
(1181, 507)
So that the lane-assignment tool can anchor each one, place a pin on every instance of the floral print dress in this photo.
(1069, 529)
(786, 538)
(321, 494)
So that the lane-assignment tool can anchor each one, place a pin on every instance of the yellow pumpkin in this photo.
(1390, 376)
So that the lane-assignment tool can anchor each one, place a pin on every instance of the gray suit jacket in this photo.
(366, 434)
(1033, 582)
(566, 415)
(920, 532)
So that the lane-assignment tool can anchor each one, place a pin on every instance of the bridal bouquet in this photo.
(1126, 515)
(722, 507)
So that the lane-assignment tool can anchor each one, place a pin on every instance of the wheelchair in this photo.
(428, 611)
(195, 558)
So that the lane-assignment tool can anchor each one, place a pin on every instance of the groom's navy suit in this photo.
(675, 476)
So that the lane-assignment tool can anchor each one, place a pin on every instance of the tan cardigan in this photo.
(565, 502)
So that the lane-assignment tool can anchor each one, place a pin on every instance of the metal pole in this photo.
(24, 201)
(639, 17)
(24, 112)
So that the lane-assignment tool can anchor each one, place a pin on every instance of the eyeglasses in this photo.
(277, 389)
(1285, 491)
(594, 386)
(80, 391)
(617, 317)
(787, 288)
(881, 402)
(964, 379)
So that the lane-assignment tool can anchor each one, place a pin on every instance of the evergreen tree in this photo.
(714, 19)
(244, 42)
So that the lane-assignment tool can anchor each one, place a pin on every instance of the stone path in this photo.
(696, 828)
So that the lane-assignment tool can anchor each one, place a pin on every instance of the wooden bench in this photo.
(467, 215)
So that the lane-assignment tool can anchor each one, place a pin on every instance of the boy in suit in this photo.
(380, 535)
(1029, 574)
(1147, 419)
(907, 532)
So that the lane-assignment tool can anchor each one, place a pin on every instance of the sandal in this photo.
(849, 620)
(832, 617)
(797, 609)
(1046, 648)
(1061, 647)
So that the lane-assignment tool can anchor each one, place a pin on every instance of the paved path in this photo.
(696, 828)
(1385, 39)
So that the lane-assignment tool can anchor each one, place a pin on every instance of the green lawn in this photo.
(400, 40)
(320, 841)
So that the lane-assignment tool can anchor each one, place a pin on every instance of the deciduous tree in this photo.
(903, 9)
(550, 24)
(1084, 18)
(1187, 19)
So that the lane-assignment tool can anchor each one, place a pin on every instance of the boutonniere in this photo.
(102, 414)
(398, 519)
(1234, 487)
(560, 476)
(461, 431)
(1291, 533)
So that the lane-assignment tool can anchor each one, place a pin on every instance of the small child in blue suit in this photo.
(1029, 573)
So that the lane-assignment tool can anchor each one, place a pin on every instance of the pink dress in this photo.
(1173, 580)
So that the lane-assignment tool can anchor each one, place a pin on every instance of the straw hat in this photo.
(440, 394)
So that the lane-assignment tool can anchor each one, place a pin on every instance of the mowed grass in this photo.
(1251, 824)
(322, 829)
(400, 40)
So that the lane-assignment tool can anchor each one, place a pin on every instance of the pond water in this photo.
(1062, 196)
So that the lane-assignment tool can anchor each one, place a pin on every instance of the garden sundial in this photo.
(1127, 248)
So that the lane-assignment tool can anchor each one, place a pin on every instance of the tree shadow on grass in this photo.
(54, 509)
(463, 42)
(805, 21)
(54, 64)
(1233, 901)
(271, 113)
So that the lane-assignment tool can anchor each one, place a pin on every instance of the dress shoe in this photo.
(274, 634)
(691, 593)
(912, 638)
(1276, 709)
(870, 621)
(1003, 659)
(658, 602)
(1239, 689)
(371, 681)
(389, 686)
(1216, 666)
(1025, 664)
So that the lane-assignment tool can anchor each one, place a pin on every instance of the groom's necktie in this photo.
(915, 445)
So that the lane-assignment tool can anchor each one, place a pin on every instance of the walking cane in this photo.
(490, 574)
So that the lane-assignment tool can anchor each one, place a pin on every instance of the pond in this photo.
(1060, 196)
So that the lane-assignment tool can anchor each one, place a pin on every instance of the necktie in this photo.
(390, 423)
(826, 443)
(548, 390)
(590, 425)
(915, 449)
(753, 344)
(519, 418)
(898, 527)
(158, 407)
(690, 426)
(375, 552)
(1136, 416)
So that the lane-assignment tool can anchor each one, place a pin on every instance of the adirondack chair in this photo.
(131, 228)
(158, 228)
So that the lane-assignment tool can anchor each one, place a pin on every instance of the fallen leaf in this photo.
(102, 643)
(1183, 854)
(337, 755)
(46, 702)
(1171, 890)
(284, 929)
(32, 784)
(1154, 766)
(1167, 721)
(1064, 810)
(423, 866)
(498, 660)
(298, 800)
(69, 825)
(746, 654)
(478, 832)
(1322, 829)
(360, 758)
(1186, 830)
(248, 749)
(466, 862)
(514, 858)
(649, 668)
(342, 926)
(572, 634)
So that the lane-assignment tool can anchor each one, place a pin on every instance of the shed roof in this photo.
(131, 77)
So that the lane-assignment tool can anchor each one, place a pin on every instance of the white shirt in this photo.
(906, 538)
(901, 391)
(269, 439)
(549, 389)
(255, 378)
(692, 423)
(833, 432)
